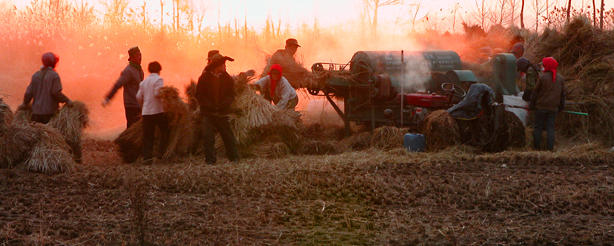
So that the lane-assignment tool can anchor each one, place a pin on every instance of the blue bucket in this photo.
(414, 142)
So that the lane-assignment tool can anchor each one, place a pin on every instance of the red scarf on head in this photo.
(550, 64)
(273, 84)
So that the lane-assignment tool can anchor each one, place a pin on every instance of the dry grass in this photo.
(51, 154)
(371, 197)
(440, 131)
(23, 116)
(388, 137)
(16, 142)
(6, 116)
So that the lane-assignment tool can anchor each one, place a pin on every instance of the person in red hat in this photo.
(129, 79)
(276, 88)
(547, 99)
(45, 90)
(215, 93)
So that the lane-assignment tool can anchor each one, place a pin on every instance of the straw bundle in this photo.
(358, 141)
(15, 144)
(180, 122)
(440, 130)
(23, 116)
(251, 111)
(294, 72)
(70, 121)
(315, 147)
(388, 137)
(6, 116)
(516, 130)
(51, 154)
(130, 142)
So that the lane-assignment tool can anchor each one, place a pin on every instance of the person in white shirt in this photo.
(276, 88)
(153, 112)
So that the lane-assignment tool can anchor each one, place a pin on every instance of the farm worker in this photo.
(529, 73)
(485, 54)
(210, 54)
(518, 50)
(129, 79)
(547, 99)
(45, 90)
(294, 71)
(215, 93)
(276, 88)
(153, 112)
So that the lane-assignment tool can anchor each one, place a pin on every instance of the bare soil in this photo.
(371, 197)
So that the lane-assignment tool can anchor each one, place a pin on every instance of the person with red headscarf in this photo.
(547, 99)
(276, 88)
(45, 90)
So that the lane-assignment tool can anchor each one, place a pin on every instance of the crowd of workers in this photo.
(215, 93)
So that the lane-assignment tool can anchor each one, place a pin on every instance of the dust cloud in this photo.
(93, 51)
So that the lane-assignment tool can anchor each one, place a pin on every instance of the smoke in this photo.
(416, 75)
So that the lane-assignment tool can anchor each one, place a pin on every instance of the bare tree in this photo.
(454, 11)
(374, 6)
(601, 15)
(568, 10)
(513, 5)
(522, 15)
(594, 14)
(415, 7)
(481, 13)
(538, 9)
(502, 13)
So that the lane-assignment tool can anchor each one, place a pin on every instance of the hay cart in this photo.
(401, 88)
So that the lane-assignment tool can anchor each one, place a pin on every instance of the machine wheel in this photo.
(317, 68)
(454, 90)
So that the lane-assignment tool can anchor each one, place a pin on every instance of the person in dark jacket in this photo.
(529, 72)
(129, 79)
(215, 93)
(547, 99)
(293, 70)
(45, 90)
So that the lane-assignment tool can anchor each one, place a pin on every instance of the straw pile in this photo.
(294, 72)
(388, 137)
(51, 154)
(6, 116)
(516, 130)
(181, 137)
(440, 130)
(586, 58)
(15, 144)
(70, 121)
(180, 122)
(130, 142)
(23, 116)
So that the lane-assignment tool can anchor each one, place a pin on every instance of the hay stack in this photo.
(6, 116)
(180, 122)
(358, 141)
(585, 55)
(440, 131)
(23, 116)
(130, 142)
(70, 121)
(51, 154)
(516, 130)
(388, 137)
(15, 144)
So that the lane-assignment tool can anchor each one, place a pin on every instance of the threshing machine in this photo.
(400, 88)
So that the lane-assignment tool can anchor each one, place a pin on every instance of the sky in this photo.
(328, 12)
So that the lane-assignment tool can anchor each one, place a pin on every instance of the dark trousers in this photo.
(41, 118)
(132, 115)
(149, 134)
(222, 125)
(544, 118)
